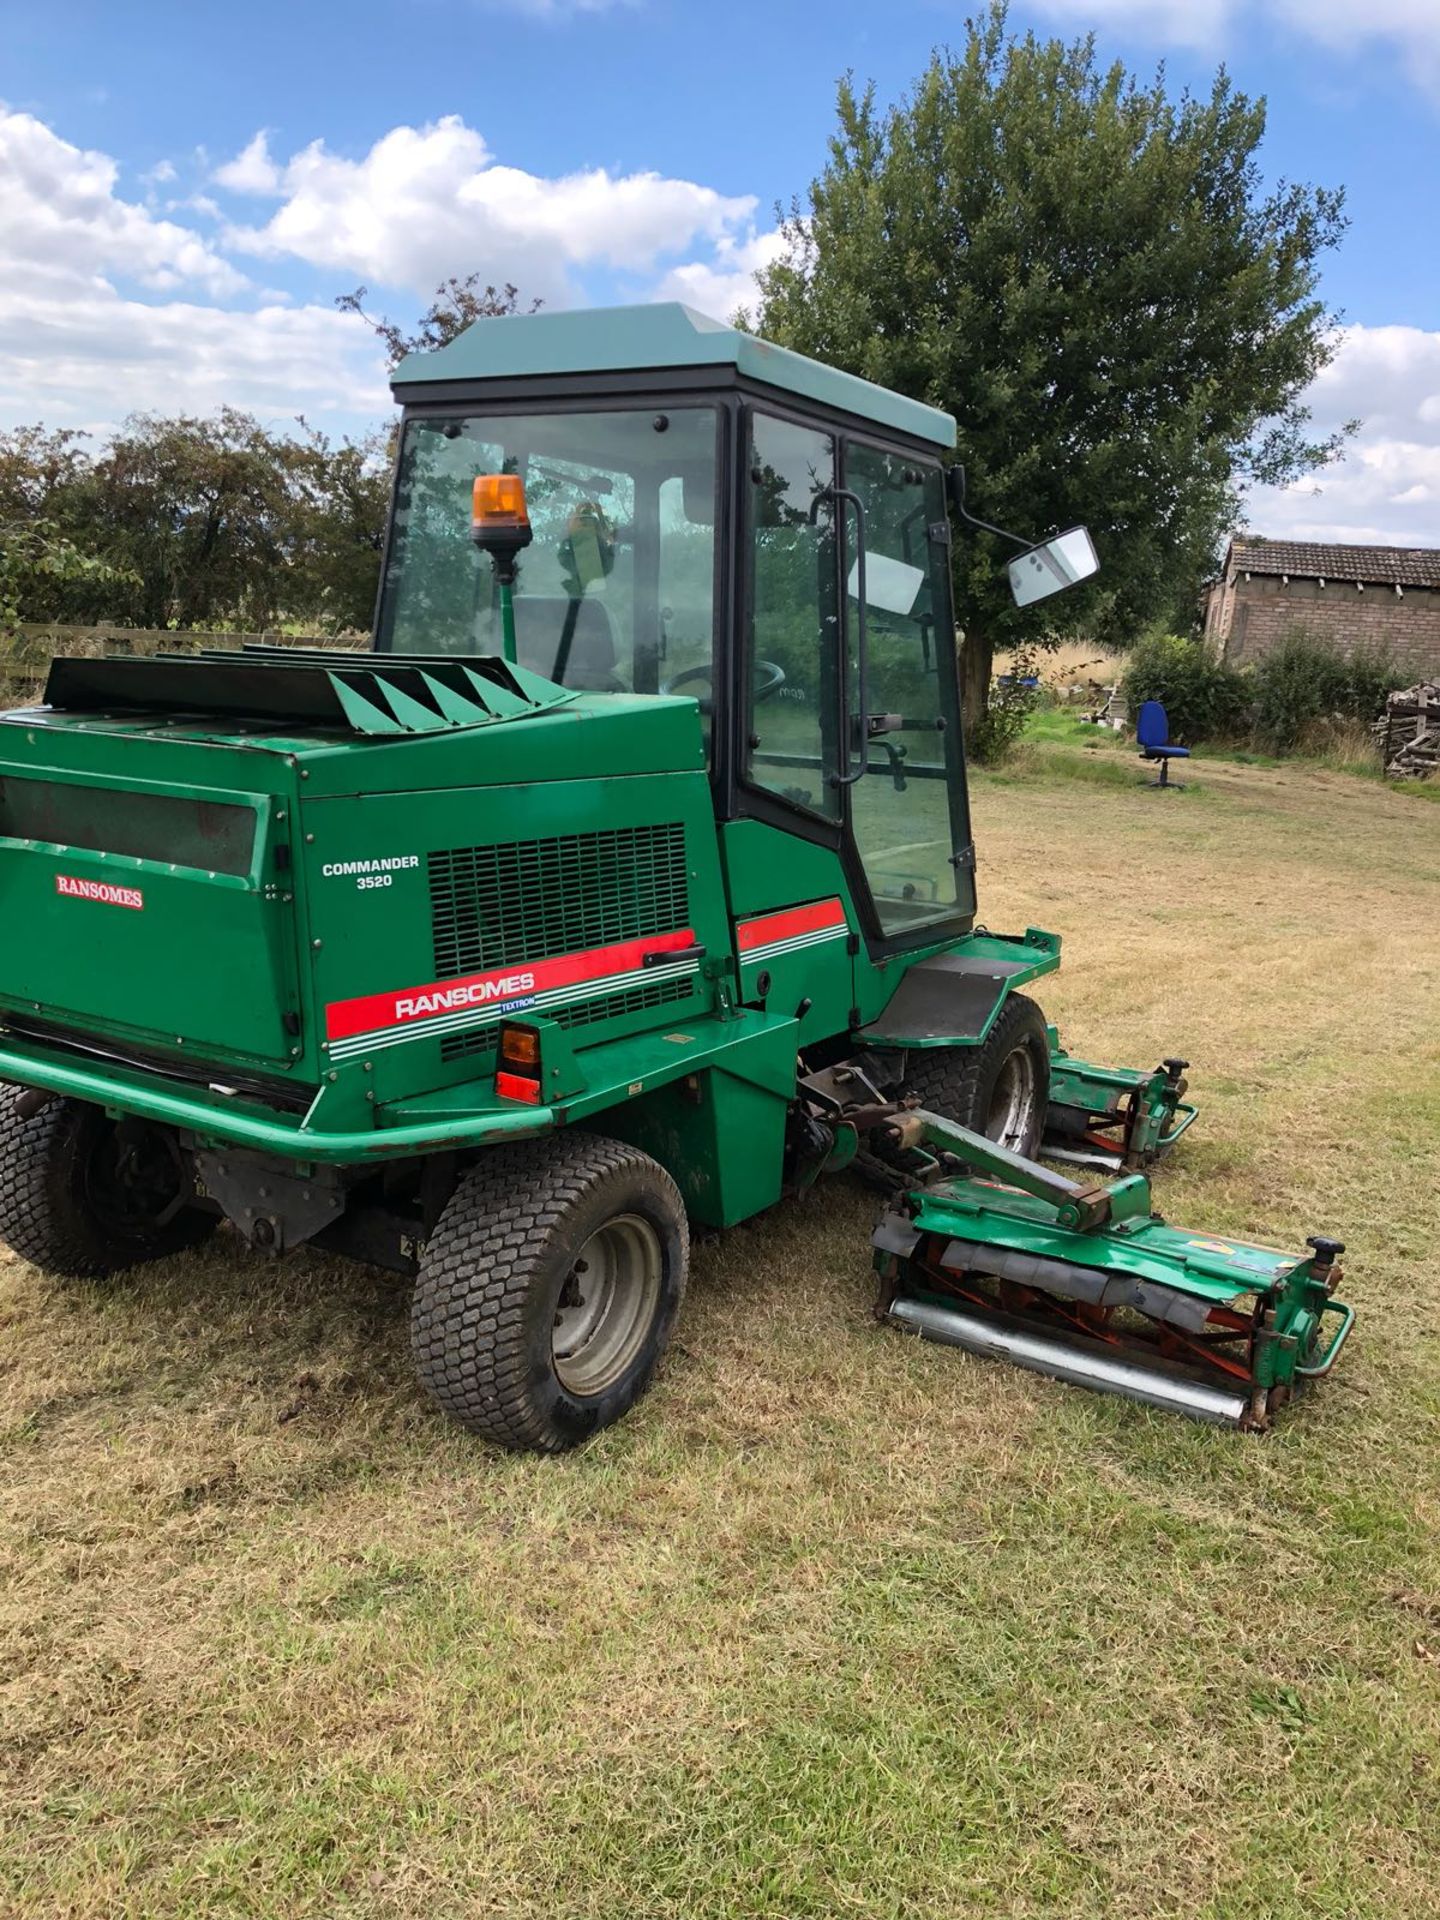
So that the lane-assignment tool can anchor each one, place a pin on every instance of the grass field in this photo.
(836, 1624)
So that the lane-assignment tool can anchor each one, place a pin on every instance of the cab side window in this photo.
(792, 622)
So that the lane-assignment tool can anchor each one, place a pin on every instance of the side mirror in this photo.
(1052, 566)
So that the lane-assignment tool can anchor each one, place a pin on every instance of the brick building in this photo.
(1356, 598)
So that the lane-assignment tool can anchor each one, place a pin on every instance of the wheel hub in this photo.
(607, 1304)
(1011, 1120)
(131, 1182)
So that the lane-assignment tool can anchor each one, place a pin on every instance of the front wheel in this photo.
(85, 1196)
(548, 1290)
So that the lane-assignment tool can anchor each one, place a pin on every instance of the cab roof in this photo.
(661, 338)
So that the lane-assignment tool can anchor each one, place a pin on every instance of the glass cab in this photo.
(615, 594)
(789, 572)
(852, 718)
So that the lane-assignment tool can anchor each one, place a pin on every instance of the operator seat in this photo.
(540, 624)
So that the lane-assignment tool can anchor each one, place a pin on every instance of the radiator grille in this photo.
(524, 900)
(608, 1006)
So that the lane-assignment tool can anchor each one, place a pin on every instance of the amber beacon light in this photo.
(500, 526)
(500, 521)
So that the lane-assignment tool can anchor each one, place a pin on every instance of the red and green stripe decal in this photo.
(483, 999)
(790, 930)
(378, 1020)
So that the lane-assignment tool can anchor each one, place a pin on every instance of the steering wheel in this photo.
(769, 678)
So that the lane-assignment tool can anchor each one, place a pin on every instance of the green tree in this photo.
(457, 304)
(1092, 277)
(339, 500)
(41, 569)
(49, 569)
(197, 511)
(187, 522)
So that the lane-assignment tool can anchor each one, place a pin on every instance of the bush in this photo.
(1007, 711)
(1304, 694)
(1303, 681)
(1202, 699)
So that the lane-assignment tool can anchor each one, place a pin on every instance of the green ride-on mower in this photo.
(627, 882)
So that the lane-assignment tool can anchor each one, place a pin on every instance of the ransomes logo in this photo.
(450, 1006)
(100, 891)
(473, 993)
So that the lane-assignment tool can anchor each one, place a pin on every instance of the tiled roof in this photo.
(1302, 560)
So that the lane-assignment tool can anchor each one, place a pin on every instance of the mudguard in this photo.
(953, 999)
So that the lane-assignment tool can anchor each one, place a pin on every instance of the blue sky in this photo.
(184, 187)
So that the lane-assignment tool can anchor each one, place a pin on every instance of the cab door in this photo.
(909, 819)
(850, 723)
(797, 923)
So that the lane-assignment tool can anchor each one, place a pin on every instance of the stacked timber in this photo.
(1408, 732)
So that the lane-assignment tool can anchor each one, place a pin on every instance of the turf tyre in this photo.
(57, 1208)
(964, 1083)
(489, 1298)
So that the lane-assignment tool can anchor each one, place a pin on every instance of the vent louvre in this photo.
(536, 899)
(527, 900)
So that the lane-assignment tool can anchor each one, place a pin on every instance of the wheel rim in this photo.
(607, 1305)
(1011, 1120)
(131, 1188)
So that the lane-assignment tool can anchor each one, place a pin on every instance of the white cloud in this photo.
(1187, 23)
(78, 346)
(429, 201)
(95, 356)
(1408, 27)
(110, 306)
(59, 212)
(1411, 27)
(252, 170)
(721, 286)
(1387, 487)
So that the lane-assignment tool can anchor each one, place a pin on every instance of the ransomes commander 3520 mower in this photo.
(628, 882)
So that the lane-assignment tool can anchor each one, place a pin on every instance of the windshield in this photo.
(617, 592)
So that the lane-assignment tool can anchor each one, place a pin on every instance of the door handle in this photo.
(847, 774)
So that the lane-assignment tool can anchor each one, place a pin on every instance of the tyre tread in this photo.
(38, 1219)
(948, 1080)
(468, 1331)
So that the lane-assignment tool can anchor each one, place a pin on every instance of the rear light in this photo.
(517, 1070)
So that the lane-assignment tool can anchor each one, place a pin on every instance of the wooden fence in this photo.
(26, 651)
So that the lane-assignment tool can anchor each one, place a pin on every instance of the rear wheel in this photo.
(1000, 1089)
(549, 1288)
(85, 1196)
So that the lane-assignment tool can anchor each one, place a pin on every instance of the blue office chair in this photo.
(1152, 736)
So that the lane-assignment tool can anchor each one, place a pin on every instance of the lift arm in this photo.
(1083, 1208)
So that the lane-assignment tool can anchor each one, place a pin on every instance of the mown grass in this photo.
(835, 1624)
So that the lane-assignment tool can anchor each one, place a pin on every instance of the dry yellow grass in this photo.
(1078, 661)
(836, 1623)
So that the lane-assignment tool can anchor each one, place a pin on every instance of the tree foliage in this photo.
(1094, 279)
(186, 522)
(457, 304)
(1202, 697)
